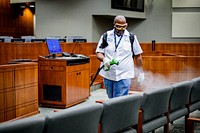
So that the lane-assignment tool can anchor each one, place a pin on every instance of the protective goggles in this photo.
(120, 26)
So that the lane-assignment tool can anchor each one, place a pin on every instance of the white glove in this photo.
(106, 63)
(141, 78)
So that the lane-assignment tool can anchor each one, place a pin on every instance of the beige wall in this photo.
(91, 18)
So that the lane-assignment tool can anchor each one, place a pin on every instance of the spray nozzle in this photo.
(114, 62)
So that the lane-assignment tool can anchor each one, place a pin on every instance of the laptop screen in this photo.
(54, 46)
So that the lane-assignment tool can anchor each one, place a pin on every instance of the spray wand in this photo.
(112, 62)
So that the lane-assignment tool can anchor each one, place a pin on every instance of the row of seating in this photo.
(34, 39)
(22, 39)
(161, 107)
(136, 113)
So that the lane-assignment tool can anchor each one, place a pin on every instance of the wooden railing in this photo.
(178, 59)
(184, 48)
(27, 50)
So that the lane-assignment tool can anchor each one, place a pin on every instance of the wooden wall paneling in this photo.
(9, 93)
(30, 50)
(27, 21)
(158, 47)
(7, 52)
(175, 48)
(79, 48)
(70, 47)
(35, 49)
(42, 49)
(88, 48)
(26, 90)
(146, 47)
(19, 50)
(180, 72)
(187, 48)
(84, 49)
(13, 51)
(164, 65)
(192, 48)
(175, 68)
(195, 50)
(64, 46)
(15, 21)
(19, 94)
(193, 66)
(2, 101)
(2, 53)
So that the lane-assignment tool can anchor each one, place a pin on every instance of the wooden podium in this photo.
(62, 84)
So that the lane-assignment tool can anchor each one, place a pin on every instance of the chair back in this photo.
(120, 113)
(179, 100)
(155, 102)
(154, 109)
(195, 94)
(77, 119)
(180, 95)
(25, 125)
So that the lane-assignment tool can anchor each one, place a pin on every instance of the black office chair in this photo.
(62, 40)
(2, 39)
(37, 40)
(17, 40)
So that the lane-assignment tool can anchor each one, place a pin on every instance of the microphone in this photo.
(72, 53)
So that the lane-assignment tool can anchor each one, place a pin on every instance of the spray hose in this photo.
(112, 62)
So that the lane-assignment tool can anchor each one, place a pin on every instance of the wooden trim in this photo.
(140, 121)
(190, 124)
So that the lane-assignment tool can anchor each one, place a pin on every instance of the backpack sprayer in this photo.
(112, 62)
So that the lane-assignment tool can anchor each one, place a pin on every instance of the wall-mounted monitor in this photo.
(131, 5)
